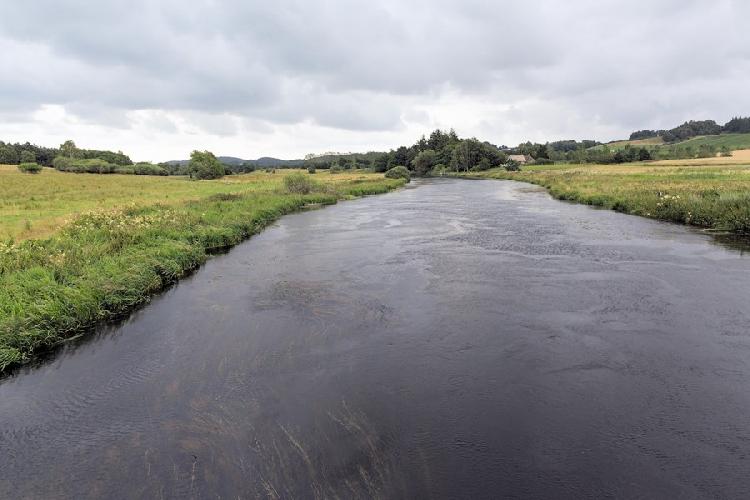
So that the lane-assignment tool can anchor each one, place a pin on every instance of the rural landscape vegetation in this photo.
(88, 235)
(374, 250)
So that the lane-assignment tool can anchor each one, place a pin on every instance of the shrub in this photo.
(299, 183)
(30, 168)
(311, 169)
(145, 168)
(91, 166)
(204, 165)
(398, 173)
(62, 163)
(336, 169)
(512, 166)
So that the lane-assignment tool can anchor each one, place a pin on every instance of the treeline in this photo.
(440, 152)
(694, 128)
(553, 151)
(14, 154)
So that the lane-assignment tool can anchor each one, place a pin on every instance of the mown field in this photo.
(711, 196)
(81, 248)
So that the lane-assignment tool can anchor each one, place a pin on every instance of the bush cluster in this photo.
(100, 166)
(30, 168)
(299, 183)
(399, 172)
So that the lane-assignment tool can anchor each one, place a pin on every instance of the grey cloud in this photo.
(360, 65)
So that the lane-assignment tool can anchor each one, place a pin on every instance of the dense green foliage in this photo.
(441, 151)
(643, 134)
(204, 165)
(737, 126)
(30, 168)
(104, 263)
(11, 154)
(399, 172)
(27, 157)
(694, 128)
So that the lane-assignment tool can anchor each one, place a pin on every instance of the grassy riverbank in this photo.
(709, 196)
(110, 242)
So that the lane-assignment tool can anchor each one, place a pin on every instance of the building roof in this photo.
(520, 158)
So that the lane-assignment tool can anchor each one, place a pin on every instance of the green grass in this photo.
(716, 197)
(732, 141)
(144, 234)
(651, 141)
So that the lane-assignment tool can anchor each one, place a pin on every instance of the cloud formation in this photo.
(247, 77)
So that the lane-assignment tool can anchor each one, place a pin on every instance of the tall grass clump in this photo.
(30, 168)
(298, 183)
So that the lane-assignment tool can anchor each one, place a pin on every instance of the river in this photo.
(454, 339)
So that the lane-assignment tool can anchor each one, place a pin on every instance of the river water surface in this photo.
(455, 339)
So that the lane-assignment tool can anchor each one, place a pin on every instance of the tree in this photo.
(204, 165)
(461, 160)
(424, 162)
(400, 157)
(28, 157)
(8, 155)
(380, 162)
(69, 149)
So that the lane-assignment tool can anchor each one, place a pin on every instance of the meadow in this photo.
(711, 196)
(78, 249)
(719, 141)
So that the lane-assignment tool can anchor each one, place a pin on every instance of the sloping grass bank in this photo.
(712, 197)
(104, 263)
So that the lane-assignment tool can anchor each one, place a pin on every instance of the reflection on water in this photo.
(736, 242)
(453, 339)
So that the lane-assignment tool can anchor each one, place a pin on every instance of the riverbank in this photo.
(715, 197)
(103, 263)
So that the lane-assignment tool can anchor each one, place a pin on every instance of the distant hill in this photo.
(729, 140)
(263, 162)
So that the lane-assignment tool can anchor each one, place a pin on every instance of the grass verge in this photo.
(103, 263)
(715, 197)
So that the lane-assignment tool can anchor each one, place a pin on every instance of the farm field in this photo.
(708, 195)
(33, 206)
(739, 157)
(81, 248)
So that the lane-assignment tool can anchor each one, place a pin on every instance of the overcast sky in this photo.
(282, 78)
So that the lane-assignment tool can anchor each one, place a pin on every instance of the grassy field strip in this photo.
(34, 206)
(739, 157)
(712, 196)
(105, 262)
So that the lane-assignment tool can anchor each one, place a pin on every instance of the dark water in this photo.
(464, 339)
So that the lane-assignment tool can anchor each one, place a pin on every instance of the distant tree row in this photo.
(441, 151)
(695, 128)
(14, 154)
